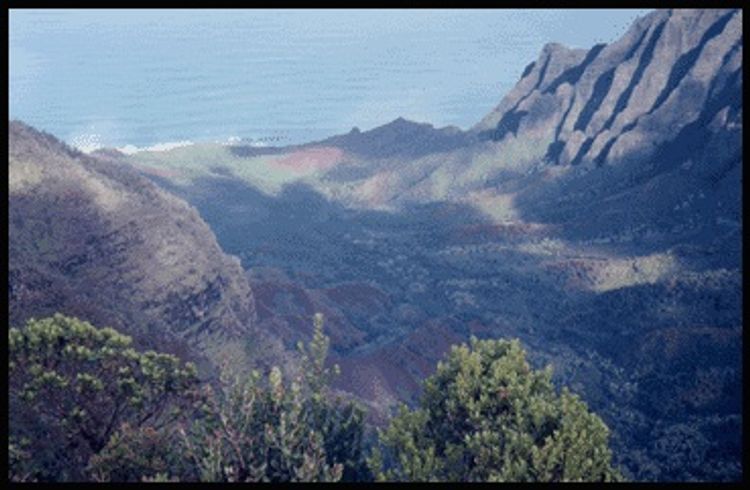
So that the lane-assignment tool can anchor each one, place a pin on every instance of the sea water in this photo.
(134, 79)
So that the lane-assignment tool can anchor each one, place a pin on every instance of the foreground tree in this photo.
(86, 406)
(254, 431)
(73, 386)
(486, 416)
(136, 454)
(341, 422)
(257, 429)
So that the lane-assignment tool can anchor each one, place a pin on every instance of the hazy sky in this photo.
(114, 77)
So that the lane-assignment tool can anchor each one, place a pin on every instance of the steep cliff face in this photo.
(624, 100)
(94, 239)
(645, 142)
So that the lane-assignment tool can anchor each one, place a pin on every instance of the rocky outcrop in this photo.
(399, 138)
(627, 99)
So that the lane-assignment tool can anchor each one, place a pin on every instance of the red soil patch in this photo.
(398, 368)
(288, 309)
(312, 159)
(276, 300)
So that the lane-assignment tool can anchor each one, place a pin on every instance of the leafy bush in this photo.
(72, 386)
(277, 431)
(85, 405)
(137, 454)
(341, 423)
(251, 432)
(486, 416)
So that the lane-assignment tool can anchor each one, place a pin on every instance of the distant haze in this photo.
(144, 78)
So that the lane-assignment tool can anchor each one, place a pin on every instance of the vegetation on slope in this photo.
(84, 405)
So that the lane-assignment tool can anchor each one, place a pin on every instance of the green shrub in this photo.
(486, 416)
(72, 386)
(257, 429)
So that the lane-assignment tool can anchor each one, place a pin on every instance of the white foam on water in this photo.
(166, 146)
(87, 142)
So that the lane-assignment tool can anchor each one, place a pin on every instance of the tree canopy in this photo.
(85, 405)
(72, 386)
(485, 415)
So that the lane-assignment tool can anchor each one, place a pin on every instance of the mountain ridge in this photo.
(602, 109)
(94, 238)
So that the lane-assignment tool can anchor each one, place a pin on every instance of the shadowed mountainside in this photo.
(398, 288)
(94, 239)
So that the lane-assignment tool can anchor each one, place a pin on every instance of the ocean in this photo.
(114, 78)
